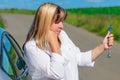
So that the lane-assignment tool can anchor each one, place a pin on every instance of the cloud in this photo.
(94, 1)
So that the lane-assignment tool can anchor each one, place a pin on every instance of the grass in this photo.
(96, 20)
(17, 11)
(98, 10)
(1, 23)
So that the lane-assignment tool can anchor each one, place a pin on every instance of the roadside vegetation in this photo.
(95, 20)
(17, 11)
(14, 11)
(1, 23)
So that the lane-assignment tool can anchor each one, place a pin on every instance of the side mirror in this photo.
(20, 63)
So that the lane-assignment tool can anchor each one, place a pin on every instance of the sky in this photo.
(34, 4)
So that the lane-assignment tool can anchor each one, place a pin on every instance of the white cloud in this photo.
(94, 0)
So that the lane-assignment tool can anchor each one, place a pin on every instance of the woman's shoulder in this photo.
(30, 43)
(63, 33)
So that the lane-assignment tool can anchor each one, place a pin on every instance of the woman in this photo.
(49, 52)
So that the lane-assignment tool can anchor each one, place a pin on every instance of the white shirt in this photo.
(45, 65)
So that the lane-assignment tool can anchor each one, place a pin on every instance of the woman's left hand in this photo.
(108, 40)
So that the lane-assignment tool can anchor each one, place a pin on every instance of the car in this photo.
(12, 64)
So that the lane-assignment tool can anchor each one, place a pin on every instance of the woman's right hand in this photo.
(54, 42)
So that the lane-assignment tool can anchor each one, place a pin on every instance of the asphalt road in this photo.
(104, 69)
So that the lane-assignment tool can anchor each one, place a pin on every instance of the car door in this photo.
(12, 62)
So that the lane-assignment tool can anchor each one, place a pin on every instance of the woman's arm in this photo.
(82, 58)
(107, 43)
(54, 42)
(38, 60)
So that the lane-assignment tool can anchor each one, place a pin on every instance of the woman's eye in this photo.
(57, 22)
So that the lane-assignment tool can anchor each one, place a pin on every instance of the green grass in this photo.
(1, 23)
(17, 11)
(98, 10)
(96, 20)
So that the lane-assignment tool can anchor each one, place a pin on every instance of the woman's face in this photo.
(56, 27)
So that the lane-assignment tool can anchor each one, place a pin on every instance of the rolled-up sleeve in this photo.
(52, 66)
(84, 58)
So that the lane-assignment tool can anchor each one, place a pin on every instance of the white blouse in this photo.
(45, 65)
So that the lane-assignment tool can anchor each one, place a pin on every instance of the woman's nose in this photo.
(61, 25)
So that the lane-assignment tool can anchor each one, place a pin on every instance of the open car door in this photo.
(11, 57)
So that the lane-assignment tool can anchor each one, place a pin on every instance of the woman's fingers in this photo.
(110, 40)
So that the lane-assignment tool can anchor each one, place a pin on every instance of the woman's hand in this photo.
(107, 43)
(108, 40)
(54, 42)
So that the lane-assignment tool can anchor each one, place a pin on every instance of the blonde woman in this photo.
(49, 52)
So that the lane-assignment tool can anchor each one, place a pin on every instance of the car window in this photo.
(12, 61)
(8, 57)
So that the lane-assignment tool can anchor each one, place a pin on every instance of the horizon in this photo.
(33, 5)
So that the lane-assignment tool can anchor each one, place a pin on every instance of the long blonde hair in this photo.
(43, 19)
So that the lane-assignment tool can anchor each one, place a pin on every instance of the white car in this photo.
(12, 64)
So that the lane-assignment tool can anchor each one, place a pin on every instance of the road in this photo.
(104, 69)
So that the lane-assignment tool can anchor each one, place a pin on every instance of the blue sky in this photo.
(34, 4)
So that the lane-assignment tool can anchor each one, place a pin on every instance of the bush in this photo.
(1, 23)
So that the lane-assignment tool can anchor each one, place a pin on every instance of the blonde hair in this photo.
(45, 15)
